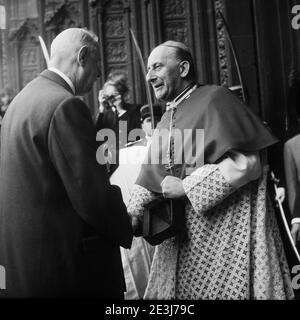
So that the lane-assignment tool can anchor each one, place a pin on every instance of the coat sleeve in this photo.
(290, 170)
(72, 148)
(140, 196)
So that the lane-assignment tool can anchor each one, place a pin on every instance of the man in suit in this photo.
(116, 114)
(60, 231)
(292, 176)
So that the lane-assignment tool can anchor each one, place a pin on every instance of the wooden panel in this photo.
(22, 48)
(29, 62)
(186, 21)
(240, 23)
(271, 51)
(60, 15)
(174, 21)
(112, 21)
(24, 54)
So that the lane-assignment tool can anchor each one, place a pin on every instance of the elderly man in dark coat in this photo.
(292, 174)
(60, 231)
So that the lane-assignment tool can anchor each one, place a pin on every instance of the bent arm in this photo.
(211, 184)
(72, 148)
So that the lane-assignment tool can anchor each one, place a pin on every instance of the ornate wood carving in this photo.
(112, 22)
(25, 50)
(174, 20)
(115, 34)
(173, 9)
(118, 68)
(116, 52)
(114, 26)
(28, 29)
(176, 31)
(52, 8)
(29, 58)
(61, 15)
(223, 51)
(3, 68)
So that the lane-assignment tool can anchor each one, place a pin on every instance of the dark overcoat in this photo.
(292, 174)
(61, 222)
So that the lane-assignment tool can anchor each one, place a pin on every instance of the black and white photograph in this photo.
(150, 152)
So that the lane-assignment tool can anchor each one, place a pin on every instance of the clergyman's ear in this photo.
(184, 68)
(82, 55)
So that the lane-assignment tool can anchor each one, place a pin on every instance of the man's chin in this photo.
(160, 97)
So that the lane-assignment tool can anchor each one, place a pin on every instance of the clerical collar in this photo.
(182, 96)
(183, 92)
(66, 78)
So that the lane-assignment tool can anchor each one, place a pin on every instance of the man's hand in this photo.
(172, 188)
(101, 99)
(280, 194)
(137, 226)
(295, 231)
(117, 101)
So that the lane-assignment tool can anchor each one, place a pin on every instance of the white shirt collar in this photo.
(66, 78)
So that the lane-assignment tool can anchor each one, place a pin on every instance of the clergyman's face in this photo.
(164, 73)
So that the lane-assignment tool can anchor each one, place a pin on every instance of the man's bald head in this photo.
(182, 53)
(176, 45)
(75, 52)
(70, 41)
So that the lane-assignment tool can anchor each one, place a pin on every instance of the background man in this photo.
(132, 156)
(231, 248)
(136, 261)
(292, 174)
(114, 109)
(60, 230)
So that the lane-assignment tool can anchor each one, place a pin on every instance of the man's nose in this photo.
(150, 76)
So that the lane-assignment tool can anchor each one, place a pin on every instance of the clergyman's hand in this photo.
(295, 231)
(172, 187)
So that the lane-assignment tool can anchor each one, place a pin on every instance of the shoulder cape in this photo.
(227, 123)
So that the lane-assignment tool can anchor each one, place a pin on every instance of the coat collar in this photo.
(50, 75)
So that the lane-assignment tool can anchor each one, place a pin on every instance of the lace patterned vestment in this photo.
(231, 248)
